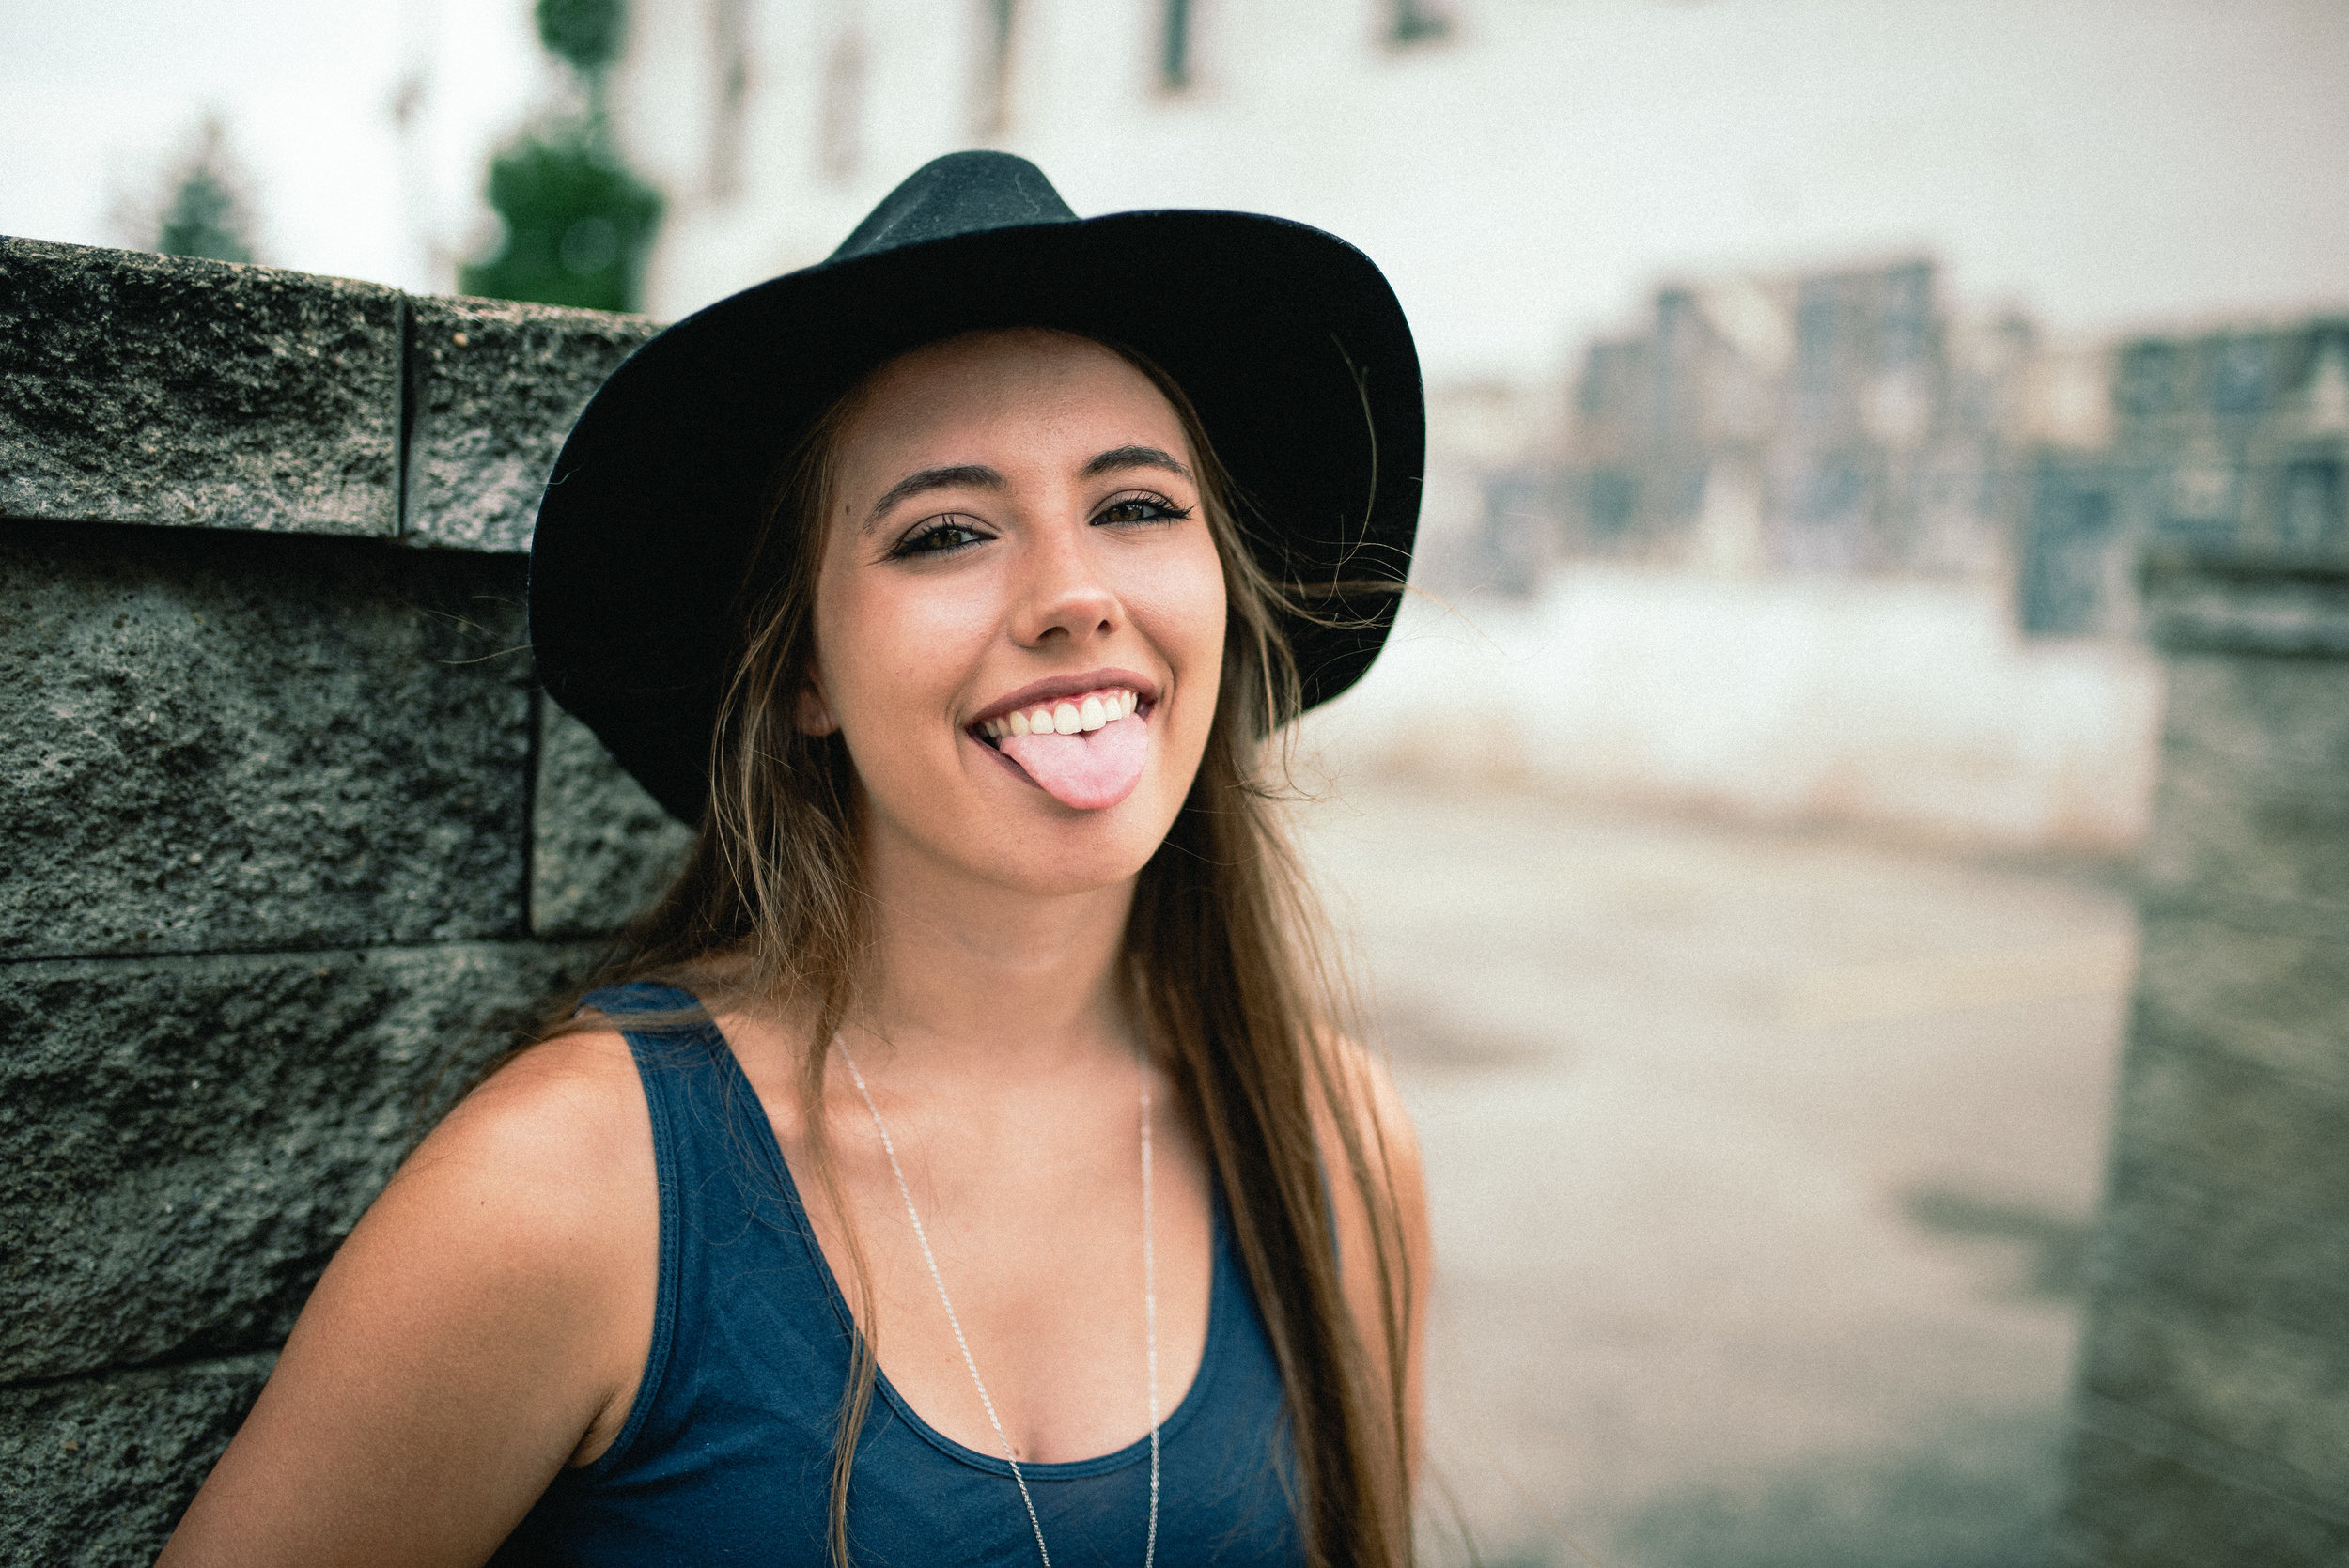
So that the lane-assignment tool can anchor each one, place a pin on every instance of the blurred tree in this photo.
(206, 213)
(587, 33)
(577, 223)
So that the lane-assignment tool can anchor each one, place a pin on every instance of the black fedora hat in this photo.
(1287, 339)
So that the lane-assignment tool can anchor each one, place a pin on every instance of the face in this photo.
(1020, 611)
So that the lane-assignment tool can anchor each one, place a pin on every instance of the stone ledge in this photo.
(2225, 604)
(493, 388)
(161, 390)
(165, 391)
(98, 1470)
(191, 1138)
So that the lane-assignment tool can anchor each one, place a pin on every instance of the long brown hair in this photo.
(1227, 957)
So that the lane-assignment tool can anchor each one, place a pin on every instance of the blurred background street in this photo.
(1762, 1165)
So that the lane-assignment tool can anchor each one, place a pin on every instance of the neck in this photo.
(973, 975)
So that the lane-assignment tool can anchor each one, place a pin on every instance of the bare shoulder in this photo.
(547, 1128)
(1364, 1133)
(545, 1157)
(1364, 1091)
(1386, 1259)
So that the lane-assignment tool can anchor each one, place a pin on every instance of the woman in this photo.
(958, 1164)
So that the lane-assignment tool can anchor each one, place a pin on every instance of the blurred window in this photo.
(1416, 21)
(1175, 46)
(2310, 517)
(2240, 375)
(2065, 558)
(2146, 381)
(1613, 504)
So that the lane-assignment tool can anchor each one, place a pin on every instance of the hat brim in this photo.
(1287, 339)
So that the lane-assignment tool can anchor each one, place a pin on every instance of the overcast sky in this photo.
(2105, 163)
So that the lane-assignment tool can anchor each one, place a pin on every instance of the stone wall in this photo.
(2213, 1406)
(290, 843)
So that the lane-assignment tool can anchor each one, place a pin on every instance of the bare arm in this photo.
(485, 1324)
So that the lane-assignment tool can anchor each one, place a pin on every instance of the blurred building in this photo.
(1836, 421)
(2227, 444)
(773, 127)
(1848, 423)
(1842, 421)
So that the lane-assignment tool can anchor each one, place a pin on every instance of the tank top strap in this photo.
(732, 1227)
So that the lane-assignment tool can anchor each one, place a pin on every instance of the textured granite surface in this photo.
(2213, 1381)
(272, 814)
(161, 390)
(96, 1471)
(2254, 802)
(2209, 1505)
(601, 848)
(204, 1131)
(214, 740)
(493, 387)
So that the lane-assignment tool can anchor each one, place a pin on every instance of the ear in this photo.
(813, 713)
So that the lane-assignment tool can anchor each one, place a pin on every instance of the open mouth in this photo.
(1086, 751)
(1066, 716)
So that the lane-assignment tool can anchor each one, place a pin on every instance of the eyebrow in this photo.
(977, 476)
(1119, 458)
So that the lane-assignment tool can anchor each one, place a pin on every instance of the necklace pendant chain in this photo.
(1149, 1312)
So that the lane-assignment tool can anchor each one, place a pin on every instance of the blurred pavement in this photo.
(1761, 1164)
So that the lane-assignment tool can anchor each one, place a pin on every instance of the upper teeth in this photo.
(1065, 717)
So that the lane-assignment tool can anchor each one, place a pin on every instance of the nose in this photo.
(1063, 594)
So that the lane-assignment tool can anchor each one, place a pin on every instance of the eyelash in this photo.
(915, 543)
(1167, 511)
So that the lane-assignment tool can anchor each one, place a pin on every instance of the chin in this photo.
(1075, 855)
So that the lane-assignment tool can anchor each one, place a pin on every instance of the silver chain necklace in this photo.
(1149, 1312)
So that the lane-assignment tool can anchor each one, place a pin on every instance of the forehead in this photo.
(1021, 387)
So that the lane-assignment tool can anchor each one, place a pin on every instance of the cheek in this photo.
(1195, 611)
(887, 647)
(1185, 620)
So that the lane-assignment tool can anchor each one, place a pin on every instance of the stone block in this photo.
(2235, 1381)
(184, 1141)
(2281, 714)
(494, 387)
(2221, 1248)
(166, 391)
(216, 741)
(97, 1471)
(2229, 833)
(2278, 998)
(601, 848)
(2217, 1115)
(2134, 1505)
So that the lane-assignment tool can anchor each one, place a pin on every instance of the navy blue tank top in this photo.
(727, 1453)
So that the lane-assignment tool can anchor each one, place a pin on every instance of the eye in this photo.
(1141, 508)
(937, 536)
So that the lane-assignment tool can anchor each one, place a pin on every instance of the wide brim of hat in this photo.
(1287, 339)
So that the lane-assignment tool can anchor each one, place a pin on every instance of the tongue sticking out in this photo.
(1090, 769)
